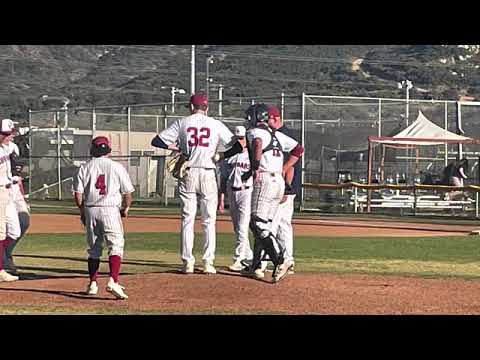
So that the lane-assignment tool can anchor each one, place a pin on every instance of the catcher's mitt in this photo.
(177, 166)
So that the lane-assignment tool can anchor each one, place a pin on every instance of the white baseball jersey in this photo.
(272, 160)
(234, 167)
(102, 181)
(198, 137)
(5, 166)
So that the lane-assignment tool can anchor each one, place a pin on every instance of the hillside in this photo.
(103, 74)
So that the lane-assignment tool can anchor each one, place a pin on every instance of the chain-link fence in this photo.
(336, 131)
(333, 129)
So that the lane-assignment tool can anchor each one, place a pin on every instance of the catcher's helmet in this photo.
(100, 146)
(257, 113)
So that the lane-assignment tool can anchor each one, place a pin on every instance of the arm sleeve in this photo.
(224, 174)
(237, 148)
(170, 134)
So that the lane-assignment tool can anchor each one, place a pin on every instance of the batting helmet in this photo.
(257, 113)
(100, 146)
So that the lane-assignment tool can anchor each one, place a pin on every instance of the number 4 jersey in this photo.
(102, 182)
(198, 137)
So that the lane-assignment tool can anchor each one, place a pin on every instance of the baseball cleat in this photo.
(208, 268)
(280, 272)
(9, 265)
(291, 269)
(188, 267)
(92, 288)
(236, 266)
(6, 277)
(116, 290)
(256, 274)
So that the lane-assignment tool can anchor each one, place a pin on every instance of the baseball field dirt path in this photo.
(51, 223)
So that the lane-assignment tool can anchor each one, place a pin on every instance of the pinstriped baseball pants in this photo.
(202, 183)
(282, 227)
(266, 196)
(240, 208)
(104, 224)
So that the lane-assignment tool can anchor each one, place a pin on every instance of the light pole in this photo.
(65, 100)
(174, 91)
(219, 88)
(208, 79)
(192, 70)
(408, 85)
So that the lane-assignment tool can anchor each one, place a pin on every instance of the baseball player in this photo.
(18, 211)
(198, 137)
(282, 221)
(268, 168)
(6, 199)
(239, 194)
(103, 192)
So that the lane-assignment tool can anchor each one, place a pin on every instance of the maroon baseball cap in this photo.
(199, 99)
(273, 111)
(101, 140)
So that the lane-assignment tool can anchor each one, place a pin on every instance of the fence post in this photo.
(59, 169)
(128, 139)
(165, 184)
(446, 129)
(29, 152)
(476, 204)
(355, 199)
(302, 193)
(94, 122)
(379, 117)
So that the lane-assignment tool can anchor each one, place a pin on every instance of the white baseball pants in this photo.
(282, 227)
(5, 199)
(104, 223)
(202, 183)
(240, 208)
(266, 196)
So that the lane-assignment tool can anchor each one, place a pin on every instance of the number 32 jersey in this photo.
(198, 136)
(102, 182)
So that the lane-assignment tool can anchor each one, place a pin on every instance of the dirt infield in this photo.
(228, 293)
(51, 223)
(232, 294)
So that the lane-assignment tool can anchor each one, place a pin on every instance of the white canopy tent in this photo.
(422, 132)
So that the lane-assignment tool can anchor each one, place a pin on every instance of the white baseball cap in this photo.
(7, 127)
(240, 131)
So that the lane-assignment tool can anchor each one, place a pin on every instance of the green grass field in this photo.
(64, 255)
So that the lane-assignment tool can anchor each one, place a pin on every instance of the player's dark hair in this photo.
(98, 151)
(200, 107)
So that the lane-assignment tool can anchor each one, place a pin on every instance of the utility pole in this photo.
(192, 71)
(220, 100)
(207, 73)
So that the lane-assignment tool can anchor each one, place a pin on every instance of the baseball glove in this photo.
(177, 166)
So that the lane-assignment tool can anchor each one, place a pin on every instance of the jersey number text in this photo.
(196, 140)
(100, 185)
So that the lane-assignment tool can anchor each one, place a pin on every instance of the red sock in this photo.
(115, 261)
(93, 265)
(2, 251)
